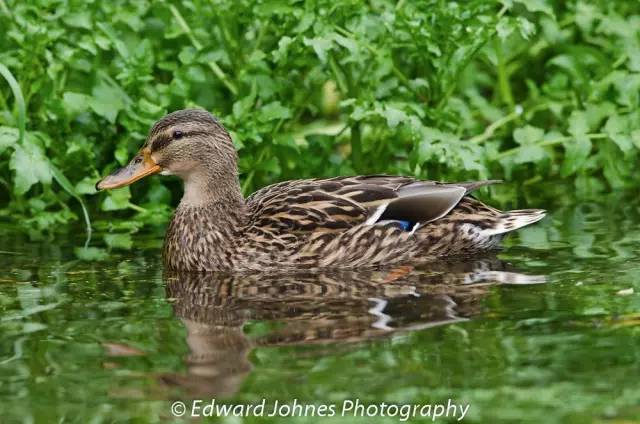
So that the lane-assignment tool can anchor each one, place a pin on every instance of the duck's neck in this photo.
(202, 190)
(211, 215)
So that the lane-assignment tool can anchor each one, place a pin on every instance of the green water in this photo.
(547, 331)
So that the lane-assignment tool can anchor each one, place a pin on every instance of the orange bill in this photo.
(139, 167)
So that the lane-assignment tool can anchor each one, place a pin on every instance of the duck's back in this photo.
(369, 221)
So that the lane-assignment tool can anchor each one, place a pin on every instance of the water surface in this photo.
(546, 331)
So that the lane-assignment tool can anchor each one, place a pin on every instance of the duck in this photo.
(344, 222)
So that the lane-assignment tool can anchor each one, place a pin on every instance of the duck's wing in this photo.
(337, 204)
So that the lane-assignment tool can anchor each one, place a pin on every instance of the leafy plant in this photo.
(521, 90)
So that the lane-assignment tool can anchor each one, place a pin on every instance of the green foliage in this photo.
(514, 89)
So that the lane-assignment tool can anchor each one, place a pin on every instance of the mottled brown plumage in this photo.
(341, 222)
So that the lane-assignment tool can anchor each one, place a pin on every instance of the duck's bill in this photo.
(139, 167)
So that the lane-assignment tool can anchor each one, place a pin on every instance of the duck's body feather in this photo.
(342, 222)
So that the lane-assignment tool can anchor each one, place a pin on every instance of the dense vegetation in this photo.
(521, 90)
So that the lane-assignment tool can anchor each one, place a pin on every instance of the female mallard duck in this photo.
(341, 222)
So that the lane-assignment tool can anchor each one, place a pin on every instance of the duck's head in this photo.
(188, 143)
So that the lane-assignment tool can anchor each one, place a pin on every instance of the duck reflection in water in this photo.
(340, 308)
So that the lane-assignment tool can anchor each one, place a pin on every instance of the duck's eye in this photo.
(137, 160)
(177, 134)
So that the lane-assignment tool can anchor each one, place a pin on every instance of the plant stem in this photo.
(503, 77)
(502, 11)
(218, 72)
(19, 100)
(338, 75)
(488, 132)
(136, 207)
(397, 72)
(247, 182)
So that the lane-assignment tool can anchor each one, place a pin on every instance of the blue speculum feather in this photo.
(406, 225)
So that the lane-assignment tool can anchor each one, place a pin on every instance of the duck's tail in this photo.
(512, 220)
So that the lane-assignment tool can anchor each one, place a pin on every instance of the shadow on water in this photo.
(338, 309)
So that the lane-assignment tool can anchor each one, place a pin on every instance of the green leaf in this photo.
(107, 101)
(305, 23)
(394, 116)
(273, 7)
(361, 112)
(119, 241)
(536, 6)
(116, 199)
(8, 137)
(187, 55)
(117, 41)
(280, 55)
(274, 110)
(635, 138)
(578, 123)
(75, 103)
(320, 45)
(91, 254)
(529, 153)
(617, 128)
(30, 166)
(81, 19)
(526, 27)
(578, 148)
(470, 157)
(505, 28)
(613, 167)
(285, 139)
(615, 125)
(87, 185)
(577, 151)
(528, 135)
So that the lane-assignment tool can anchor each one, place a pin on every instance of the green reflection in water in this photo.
(543, 333)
